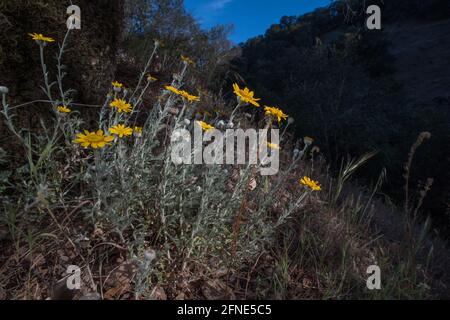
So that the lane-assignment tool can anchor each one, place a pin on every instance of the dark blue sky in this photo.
(249, 17)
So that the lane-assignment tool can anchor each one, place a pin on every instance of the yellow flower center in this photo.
(94, 137)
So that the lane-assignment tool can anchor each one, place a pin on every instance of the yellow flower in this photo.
(63, 109)
(121, 130)
(94, 139)
(151, 78)
(121, 106)
(273, 146)
(182, 93)
(40, 37)
(313, 185)
(246, 95)
(275, 113)
(187, 60)
(172, 89)
(205, 126)
(188, 96)
(117, 84)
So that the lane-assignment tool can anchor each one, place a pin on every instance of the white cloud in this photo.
(210, 11)
(217, 5)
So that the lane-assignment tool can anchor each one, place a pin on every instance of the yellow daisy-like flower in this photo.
(63, 109)
(151, 78)
(188, 96)
(96, 140)
(313, 185)
(246, 95)
(273, 146)
(121, 130)
(205, 126)
(187, 60)
(182, 93)
(121, 106)
(117, 84)
(40, 37)
(172, 89)
(275, 113)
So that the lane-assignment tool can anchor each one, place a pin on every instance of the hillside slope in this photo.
(421, 51)
(422, 59)
(357, 90)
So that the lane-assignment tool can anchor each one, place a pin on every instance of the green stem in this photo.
(47, 90)
(149, 61)
(59, 66)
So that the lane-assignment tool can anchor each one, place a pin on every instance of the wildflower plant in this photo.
(194, 212)
(63, 109)
(311, 184)
(245, 95)
(276, 113)
(121, 106)
(121, 130)
(93, 139)
(41, 39)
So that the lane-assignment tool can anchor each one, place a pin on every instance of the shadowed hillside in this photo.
(365, 90)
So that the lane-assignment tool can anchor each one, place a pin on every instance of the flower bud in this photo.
(4, 90)
(151, 78)
(221, 125)
(150, 255)
(308, 141)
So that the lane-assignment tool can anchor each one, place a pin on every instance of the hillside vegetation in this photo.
(92, 182)
(358, 90)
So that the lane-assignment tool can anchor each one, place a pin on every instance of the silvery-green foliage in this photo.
(192, 213)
